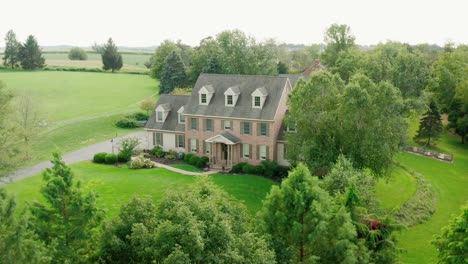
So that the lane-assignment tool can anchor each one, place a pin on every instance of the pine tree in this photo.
(11, 55)
(213, 66)
(31, 55)
(111, 58)
(430, 126)
(173, 73)
(66, 221)
(303, 225)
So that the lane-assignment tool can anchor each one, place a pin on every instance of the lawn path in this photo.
(82, 154)
(160, 165)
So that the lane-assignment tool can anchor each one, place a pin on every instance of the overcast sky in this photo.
(148, 22)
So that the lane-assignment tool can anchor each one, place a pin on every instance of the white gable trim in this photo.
(220, 139)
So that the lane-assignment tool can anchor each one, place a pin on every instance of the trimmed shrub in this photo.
(139, 116)
(187, 157)
(158, 152)
(238, 167)
(171, 155)
(259, 170)
(122, 157)
(127, 122)
(100, 157)
(270, 168)
(111, 158)
(248, 169)
(194, 160)
(140, 162)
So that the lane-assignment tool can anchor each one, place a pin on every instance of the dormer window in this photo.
(181, 116)
(231, 95)
(162, 111)
(159, 116)
(257, 102)
(259, 97)
(205, 94)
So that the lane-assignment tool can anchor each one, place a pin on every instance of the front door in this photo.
(224, 151)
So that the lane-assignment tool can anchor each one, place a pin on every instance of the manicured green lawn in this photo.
(450, 181)
(116, 186)
(80, 107)
(186, 167)
(397, 189)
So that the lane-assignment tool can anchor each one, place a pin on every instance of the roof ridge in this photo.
(176, 95)
(245, 75)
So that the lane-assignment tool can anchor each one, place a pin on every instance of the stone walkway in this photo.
(164, 166)
(83, 154)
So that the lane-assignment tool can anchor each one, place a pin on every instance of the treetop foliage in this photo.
(111, 58)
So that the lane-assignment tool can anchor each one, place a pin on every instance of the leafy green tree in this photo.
(128, 146)
(348, 62)
(338, 38)
(10, 151)
(67, 220)
(77, 54)
(111, 58)
(282, 68)
(430, 126)
(202, 225)
(452, 244)
(148, 104)
(11, 56)
(303, 225)
(18, 242)
(212, 66)
(31, 55)
(363, 121)
(173, 74)
(164, 50)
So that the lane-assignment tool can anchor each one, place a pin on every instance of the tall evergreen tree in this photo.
(303, 225)
(67, 219)
(173, 73)
(430, 126)
(11, 56)
(111, 58)
(31, 55)
(18, 242)
(213, 66)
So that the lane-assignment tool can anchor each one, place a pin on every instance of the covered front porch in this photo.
(224, 151)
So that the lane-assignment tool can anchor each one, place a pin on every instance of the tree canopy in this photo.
(111, 58)
(430, 126)
(77, 54)
(31, 55)
(173, 73)
(11, 56)
(333, 118)
(337, 38)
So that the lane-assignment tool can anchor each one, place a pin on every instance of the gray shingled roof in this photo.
(174, 103)
(230, 137)
(273, 85)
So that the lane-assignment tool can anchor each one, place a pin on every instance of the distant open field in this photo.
(80, 107)
(132, 62)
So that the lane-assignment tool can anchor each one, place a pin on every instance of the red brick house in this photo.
(229, 118)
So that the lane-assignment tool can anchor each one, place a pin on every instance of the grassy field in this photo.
(80, 107)
(132, 62)
(450, 182)
(116, 186)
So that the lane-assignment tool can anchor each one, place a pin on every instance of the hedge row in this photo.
(105, 158)
(131, 121)
(269, 169)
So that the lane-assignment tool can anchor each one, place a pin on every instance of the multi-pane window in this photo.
(257, 101)
(263, 129)
(246, 128)
(246, 151)
(263, 152)
(181, 119)
(180, 141)
(207, 147)
(159, 116)
(193, 145)
(157, 139)
(227, 124)
(203, 98)
(229, 100)
(193, 123)
(208, 125)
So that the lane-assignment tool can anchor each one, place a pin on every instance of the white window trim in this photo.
(262, 150)
(180, 113)
(227, 101)
(244, 154)
(193, 145)
(157, 116)
(207, 147)
(224, 124)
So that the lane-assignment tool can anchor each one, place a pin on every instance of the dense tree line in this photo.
(28, 54)
(304, 219)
